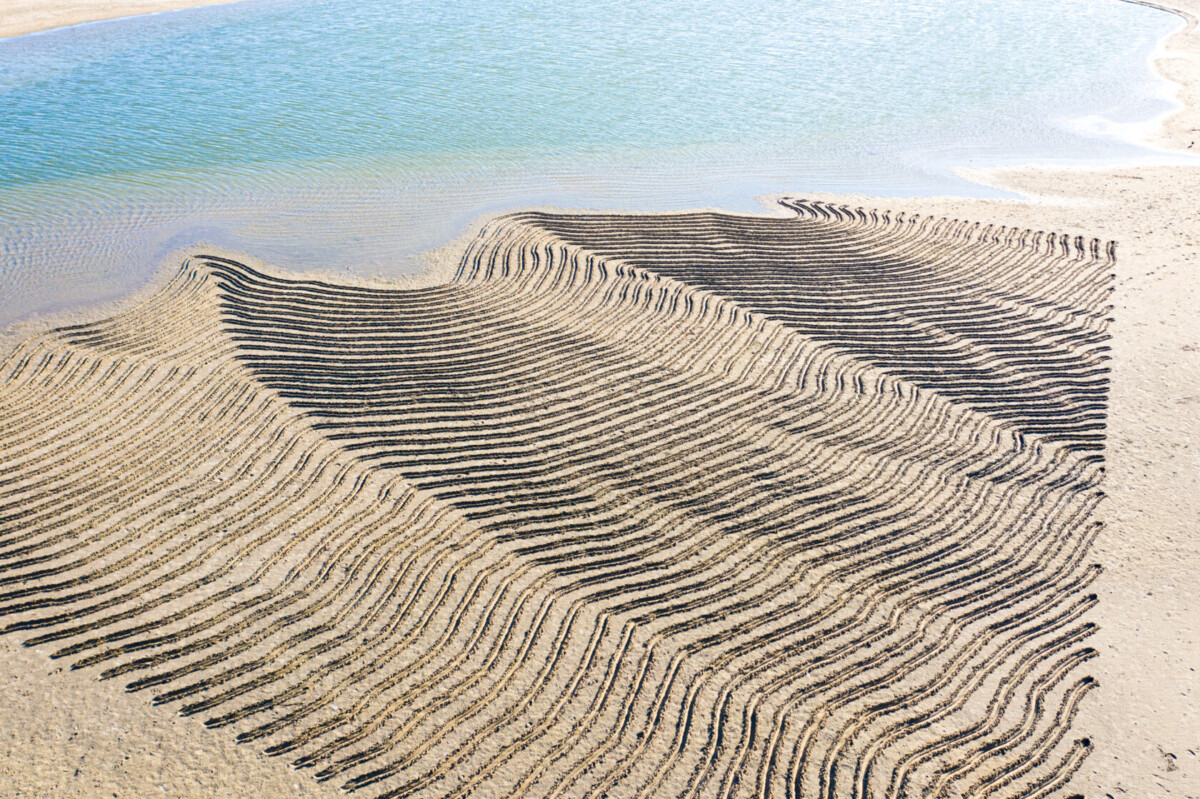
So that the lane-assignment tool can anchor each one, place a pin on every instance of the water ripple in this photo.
(314, 135)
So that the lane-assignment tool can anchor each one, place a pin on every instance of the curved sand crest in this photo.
(692, 504)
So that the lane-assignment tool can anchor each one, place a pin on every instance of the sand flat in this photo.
(19, 17)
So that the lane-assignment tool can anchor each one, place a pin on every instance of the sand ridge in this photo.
(1141, 722)
(602, 515)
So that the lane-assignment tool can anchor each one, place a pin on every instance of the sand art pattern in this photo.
(661, 505)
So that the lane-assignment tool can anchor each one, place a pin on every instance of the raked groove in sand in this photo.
(645, 505)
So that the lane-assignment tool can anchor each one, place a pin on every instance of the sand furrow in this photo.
(683, 504)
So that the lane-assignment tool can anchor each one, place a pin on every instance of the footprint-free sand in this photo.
(867, 497)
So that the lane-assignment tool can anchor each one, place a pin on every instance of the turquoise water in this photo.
(318, 133)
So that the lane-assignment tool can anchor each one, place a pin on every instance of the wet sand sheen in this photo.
(570, 524)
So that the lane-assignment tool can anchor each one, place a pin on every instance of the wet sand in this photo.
(654, 371)
(20, 17)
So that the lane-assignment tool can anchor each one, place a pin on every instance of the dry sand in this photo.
(18, 17)
(70, 735)
(1146, 719)
(637, 505)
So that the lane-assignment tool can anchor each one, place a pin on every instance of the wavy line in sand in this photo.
(687, 505)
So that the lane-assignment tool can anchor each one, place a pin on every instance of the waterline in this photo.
(314, 137)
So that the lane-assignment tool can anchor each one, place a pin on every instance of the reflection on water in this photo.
(317, 133)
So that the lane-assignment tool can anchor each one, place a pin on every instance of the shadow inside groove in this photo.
(951, 318)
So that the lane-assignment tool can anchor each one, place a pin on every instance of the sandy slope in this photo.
(18, 17)
(1146, 718)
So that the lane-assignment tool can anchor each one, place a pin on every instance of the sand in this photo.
(617, 314)
(744, 504)
(1145, 720)
(19, 17)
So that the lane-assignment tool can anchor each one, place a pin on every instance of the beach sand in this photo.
(19, 17)
(71, 735)
(584, 519)
(1146, 718)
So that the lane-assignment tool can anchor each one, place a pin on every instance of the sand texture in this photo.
(690, 504)
(19, 17)
(663, 505)
(1145, 718)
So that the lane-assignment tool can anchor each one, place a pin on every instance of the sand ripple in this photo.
(659, 505)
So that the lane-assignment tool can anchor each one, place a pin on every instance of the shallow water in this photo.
(320, 134)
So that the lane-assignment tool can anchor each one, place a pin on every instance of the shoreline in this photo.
(1144, 717)
(1179, 64)
(118, 234)
(24, 17)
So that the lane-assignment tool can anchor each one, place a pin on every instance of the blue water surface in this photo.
(350, 136)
